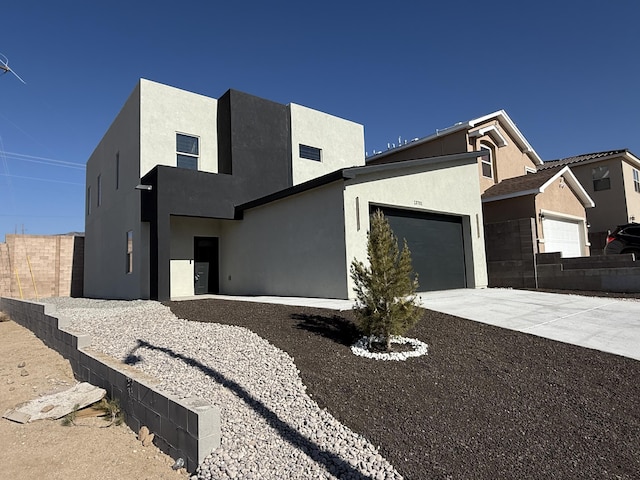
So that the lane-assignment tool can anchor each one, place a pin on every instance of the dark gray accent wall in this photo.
(260, 143)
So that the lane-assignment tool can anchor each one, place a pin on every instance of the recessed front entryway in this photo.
(436, 243)
(205, 254)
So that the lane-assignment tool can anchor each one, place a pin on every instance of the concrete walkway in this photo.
(606, 324)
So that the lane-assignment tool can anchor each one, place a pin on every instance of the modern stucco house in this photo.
(189, 194)
(612, 179)
(511, 184)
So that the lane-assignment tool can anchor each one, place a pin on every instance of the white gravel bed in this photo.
(271, 429)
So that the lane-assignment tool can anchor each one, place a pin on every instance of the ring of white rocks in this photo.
(361, 349)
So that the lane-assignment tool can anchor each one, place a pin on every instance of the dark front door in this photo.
(205, 256)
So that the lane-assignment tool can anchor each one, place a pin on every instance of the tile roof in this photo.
(579, 158)
(523, 183)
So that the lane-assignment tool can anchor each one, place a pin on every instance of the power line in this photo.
(40, 179)
(44, 160)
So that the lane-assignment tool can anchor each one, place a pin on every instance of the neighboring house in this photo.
(512, 190)
(612, 179)
(188, 194)
(554, 198)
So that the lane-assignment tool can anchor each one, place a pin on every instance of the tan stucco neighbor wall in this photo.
(509, 209)
(632, 196)
(610, 209)
(559, 200)
(509, 160)
(41, 266)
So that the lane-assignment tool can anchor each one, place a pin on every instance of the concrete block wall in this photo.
(41, 266)
(510, 248)
(183, 428)
(607, 273)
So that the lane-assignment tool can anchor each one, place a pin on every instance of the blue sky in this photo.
(565, 71)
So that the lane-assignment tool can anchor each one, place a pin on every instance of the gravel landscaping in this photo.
(485, 403)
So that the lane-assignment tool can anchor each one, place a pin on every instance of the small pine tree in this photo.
(386, 303)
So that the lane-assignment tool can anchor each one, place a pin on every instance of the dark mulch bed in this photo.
(486, 403)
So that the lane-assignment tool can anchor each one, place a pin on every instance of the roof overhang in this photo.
(353, 172)
(570, 180)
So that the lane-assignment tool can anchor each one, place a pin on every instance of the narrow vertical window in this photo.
(99, 190)
(487, 161)
(89, 200)
(636, 180)
(117, 170)
(130, 251)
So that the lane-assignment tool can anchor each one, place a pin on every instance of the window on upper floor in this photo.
(89, 200)
(188, 151)
(601, 179)
(310, 153)
(487, 161)
(636, 180)
(117, 170)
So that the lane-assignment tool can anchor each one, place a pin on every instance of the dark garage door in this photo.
(436, 244)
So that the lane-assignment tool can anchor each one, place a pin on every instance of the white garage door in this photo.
(562, 236)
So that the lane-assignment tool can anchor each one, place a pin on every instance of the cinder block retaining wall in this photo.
(186, 428)
(607, 273)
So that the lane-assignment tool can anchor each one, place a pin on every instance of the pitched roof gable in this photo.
(535, 183)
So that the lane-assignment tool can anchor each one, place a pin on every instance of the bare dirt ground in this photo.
(45, 448)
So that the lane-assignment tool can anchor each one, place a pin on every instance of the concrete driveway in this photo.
(606, 324)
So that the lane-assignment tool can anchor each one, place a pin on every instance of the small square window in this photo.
(636, 180)
(310, 153)
(188, 151)
(601, 179)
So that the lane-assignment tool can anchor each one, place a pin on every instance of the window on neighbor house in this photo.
(99, 183)
(117, 170)
(487, 161)
(88, 200)
(188, 151)
(310, 153)
(130, 251)
(601, 179)
(636, 180)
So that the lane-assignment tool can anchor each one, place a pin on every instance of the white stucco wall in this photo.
(291, 247)
(166, 111)
(107, 226)
(341, 143)
(453, 190)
